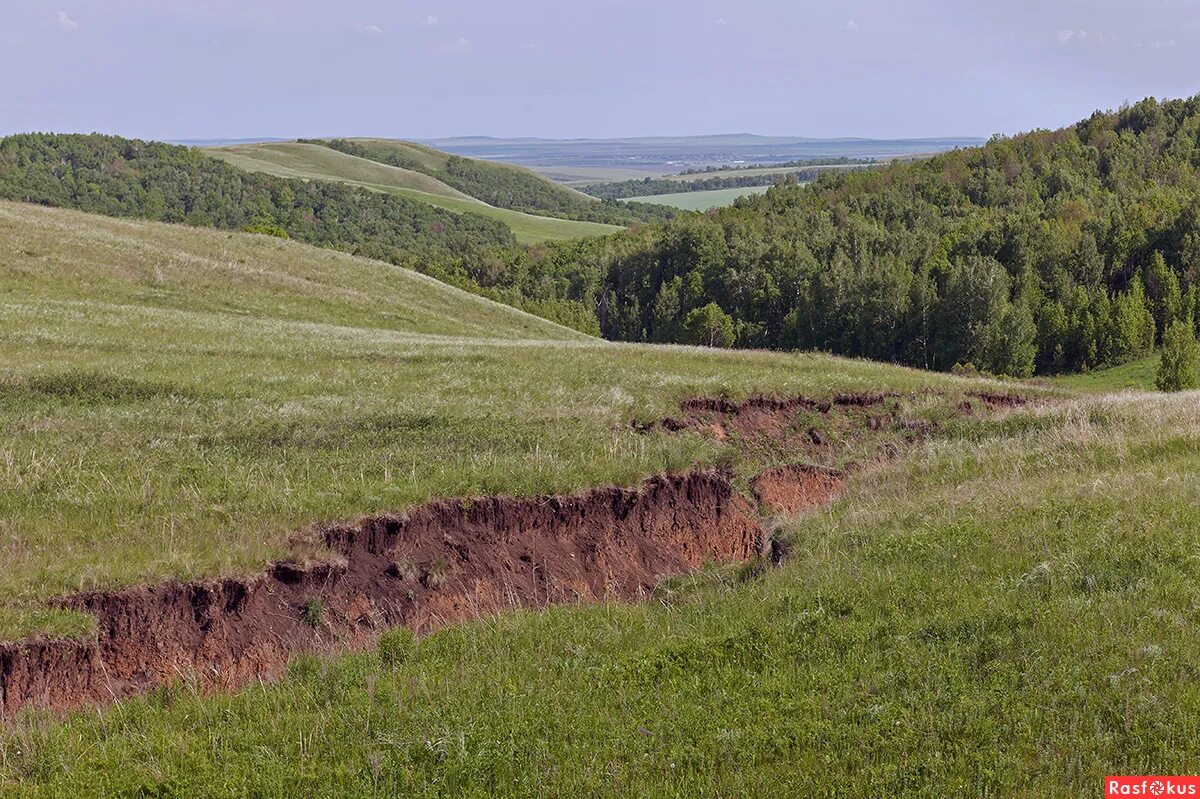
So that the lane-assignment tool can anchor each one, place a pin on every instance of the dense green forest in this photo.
(1046, 252)
(506, 186)
(648, 186)
(123, 177)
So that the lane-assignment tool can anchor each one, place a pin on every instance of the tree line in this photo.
(506, 186)
(1046, 252)
(1051, 251)
(167, 183)
(841, 160)
(645, 187)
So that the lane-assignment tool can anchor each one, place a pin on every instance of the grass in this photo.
(178, 402)
(433, 159)
(700, 200)
(316, 162)
(1133, 376)
(1008, 611)
(528, 228)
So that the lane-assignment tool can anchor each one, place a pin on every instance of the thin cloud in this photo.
(720, 22)
(1069, 36)
(430, 21)
(369, 30)
(851, 26)
(461, 45)
(65, 22)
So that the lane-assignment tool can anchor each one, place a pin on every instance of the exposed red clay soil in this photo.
(441, 562)
(797, 488)
(792, 427)
(453, 560)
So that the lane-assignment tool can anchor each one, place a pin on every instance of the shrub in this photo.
(709, 326)
(1177, 370)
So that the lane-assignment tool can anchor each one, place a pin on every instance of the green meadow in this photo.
(702, 200)
(1005, 609)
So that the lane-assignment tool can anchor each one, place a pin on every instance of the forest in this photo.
(1040, 253)
(1045, 252)
(506, 186)
(162, 182)
(648, 186)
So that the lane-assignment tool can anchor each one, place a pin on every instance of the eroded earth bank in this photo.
(452, 560)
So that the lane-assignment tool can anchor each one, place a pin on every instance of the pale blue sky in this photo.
(554, 68)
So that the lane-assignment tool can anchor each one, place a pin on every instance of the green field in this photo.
(432, 159)
(1133, 376)
(316, 162)
(701, 200)
(158, 379)
(1005, 608)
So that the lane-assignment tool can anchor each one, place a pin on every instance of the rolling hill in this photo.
(288, 384)
(316, 162)
(499, 184)
(182, 406)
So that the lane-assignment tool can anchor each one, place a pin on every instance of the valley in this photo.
(411, 465)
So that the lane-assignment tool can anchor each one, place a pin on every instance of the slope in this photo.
(1012, 582)
(503, 185)
(180, 402)
(437, 160)
(316, 162)
(299, 160)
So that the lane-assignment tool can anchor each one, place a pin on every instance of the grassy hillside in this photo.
(315, 162)
(312, 161)
(179, 402)
(433, 160)
(498, 184)
(1003, 609)
(162, 182)
(1136, 375)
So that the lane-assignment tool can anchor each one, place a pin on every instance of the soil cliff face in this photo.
(452, 560)
(441, 562)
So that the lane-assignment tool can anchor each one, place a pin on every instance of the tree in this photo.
(1133, 325)
(1011, 342)
(709, 326)
(1162, 291)
(976, 294)
(1177, 370)
(666, 310)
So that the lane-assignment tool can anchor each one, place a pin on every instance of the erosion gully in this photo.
(453, 560)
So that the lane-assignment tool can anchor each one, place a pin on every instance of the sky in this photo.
(168, 69)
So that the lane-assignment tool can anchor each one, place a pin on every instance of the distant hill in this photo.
(312, 161)
(500, 185)
(163, 182)
(593, 160)
(1042, 253)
